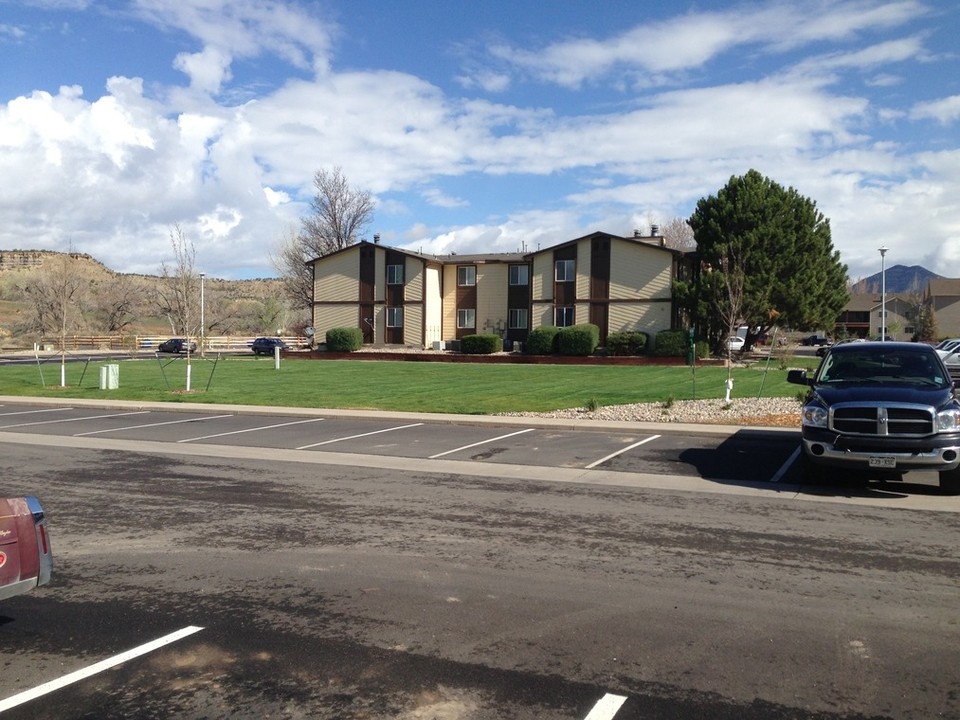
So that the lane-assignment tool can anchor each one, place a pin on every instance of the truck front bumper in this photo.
(940, 453)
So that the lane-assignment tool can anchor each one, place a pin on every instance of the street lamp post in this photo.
(883, 295)
(203, 327)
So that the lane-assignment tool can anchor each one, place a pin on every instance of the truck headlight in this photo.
(815, 416)
(948, 420)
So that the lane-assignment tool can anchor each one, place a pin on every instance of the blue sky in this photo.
(477, 127)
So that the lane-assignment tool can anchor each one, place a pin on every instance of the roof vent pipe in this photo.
(654, 230)
(376, 238)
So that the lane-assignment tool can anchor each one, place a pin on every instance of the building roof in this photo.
(940, 287)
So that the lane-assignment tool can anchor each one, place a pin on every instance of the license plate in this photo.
(883, 462)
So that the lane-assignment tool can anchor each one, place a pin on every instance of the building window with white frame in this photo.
(519, 275)
(394, 317)
(466, 319)
(564, 316)
(394, 274)
(565, 270)
(517, 319)
(466, 275)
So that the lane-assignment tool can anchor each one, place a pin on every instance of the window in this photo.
(517, 319)
(519, 275)
(394, 274)
(565, 271)
(466, 318)
(467, 275)
(564, 316)
(394, 317)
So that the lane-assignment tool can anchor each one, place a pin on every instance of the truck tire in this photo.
(950, 481)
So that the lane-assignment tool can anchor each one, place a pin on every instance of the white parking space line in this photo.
(354, 437)
(157, 424)
(76, 419)
(621, 451)
(253, 429)
(482, 442)
(778, 476)
(99, 667)
(32, 412)
(608, 706)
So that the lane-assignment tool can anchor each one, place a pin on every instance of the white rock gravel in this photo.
(716, 411)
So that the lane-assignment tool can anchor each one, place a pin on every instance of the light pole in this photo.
(203, 328)
(883, 295)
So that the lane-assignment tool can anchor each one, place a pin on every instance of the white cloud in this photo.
(944, 111)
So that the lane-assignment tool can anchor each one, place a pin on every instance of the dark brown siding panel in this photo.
(600, 268)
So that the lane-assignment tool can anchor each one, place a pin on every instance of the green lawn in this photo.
(406, 386)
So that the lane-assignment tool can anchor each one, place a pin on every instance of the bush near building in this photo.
(578, 339)
(481, 344)
(344, 339)
(631, 342)
(542, 340)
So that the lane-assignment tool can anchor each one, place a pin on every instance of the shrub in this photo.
(631, 342)
(578, 339)
(481, 344)
(542, 340)
(344, 339)
(671, 343)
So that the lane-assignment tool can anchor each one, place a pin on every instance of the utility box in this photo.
(109, 377)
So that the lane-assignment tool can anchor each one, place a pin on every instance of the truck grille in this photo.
(874, 419)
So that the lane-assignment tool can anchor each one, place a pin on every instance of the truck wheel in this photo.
(950, 481)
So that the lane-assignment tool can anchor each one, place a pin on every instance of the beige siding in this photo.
(491, 298)
(647, 317)
(542, 276)
(413, 277)
(337, 278)
(639, 271)
(327, 317)
(449, 302)
(413, 325)
(541, 314)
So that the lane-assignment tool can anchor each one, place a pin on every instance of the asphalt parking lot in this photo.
(741, 456)
(710, 457)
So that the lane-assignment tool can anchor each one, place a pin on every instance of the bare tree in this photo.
(679, 235)
(178, 292)
(290, 261)
(339, 215)
(56, 293)
(118, 302)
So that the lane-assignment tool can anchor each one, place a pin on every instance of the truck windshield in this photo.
(902, 367)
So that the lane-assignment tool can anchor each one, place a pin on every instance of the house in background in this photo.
(943, 295)
(399, 297)
(861, 317)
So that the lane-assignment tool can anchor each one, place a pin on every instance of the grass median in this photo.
(384, 385)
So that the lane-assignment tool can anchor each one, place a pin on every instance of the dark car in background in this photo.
(177, 345)
(266, 345)
(816, 340)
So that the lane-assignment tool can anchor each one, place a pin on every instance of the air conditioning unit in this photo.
(439, 345)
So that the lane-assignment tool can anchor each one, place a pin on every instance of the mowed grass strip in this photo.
(383, 385)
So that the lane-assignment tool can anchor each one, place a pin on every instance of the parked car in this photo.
(265, 345)
(177, 345)
(26, 560)
(884, 408)
(949, 351)
(822, 350)
(816, 340)
(735, 343)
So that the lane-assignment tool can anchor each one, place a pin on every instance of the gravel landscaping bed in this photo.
(762, 412)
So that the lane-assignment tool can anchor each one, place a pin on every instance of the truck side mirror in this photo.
(798, 377)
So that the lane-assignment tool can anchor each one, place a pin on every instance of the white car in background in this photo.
(735, 343)
(949, 351)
